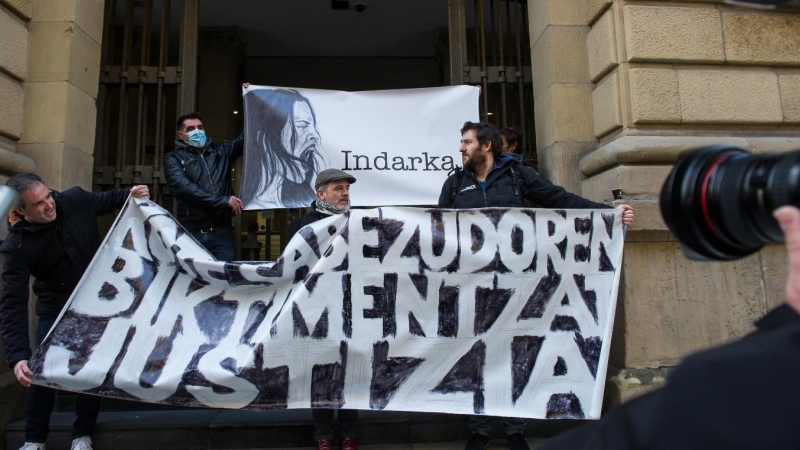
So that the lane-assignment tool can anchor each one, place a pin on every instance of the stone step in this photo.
(284, 429)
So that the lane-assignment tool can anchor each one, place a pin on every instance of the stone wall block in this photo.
(653, 150)
(790, 97)
(81, 120)
(635, 181)
(560, 53)
(86, 14)
(11, 99)
(45, 112)
(666, 34)
(572, 112)
(602, 44)
(772, 144)
(676, 306)
(23, 7)
(654, 96)
(64, 53)
(62, 166)
(14, 48)
(537, 18)
(543, 68)
(73, 167)
(595, 8)
(48, 158)
(543, 13)
(12, 163)
(606, 105)
(775, 267)
(557, 163)
(762, 38)
(545, 120)
(710, 96)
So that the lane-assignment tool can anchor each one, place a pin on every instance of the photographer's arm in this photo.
(788, 218)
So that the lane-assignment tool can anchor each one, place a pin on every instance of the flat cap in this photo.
(329, 175)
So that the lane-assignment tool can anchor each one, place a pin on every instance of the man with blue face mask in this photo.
(198, 172)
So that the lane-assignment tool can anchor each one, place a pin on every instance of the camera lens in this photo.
(718, 201)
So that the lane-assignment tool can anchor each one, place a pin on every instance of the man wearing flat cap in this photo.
(333, 197)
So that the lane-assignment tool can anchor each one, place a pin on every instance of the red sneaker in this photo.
(348, 444)
(324, 444)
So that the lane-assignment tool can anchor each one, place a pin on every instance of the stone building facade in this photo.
(620, 89)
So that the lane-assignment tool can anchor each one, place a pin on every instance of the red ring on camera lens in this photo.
(704, 192)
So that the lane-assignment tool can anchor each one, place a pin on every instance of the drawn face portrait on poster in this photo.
(288, 152)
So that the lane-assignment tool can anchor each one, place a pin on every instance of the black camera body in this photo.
(718, 201)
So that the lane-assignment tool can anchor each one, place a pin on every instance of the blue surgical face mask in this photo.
(197, 138)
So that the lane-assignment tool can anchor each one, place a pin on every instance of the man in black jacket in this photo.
(740, 396)
(333, 197)
(198, 172)
(54, 241)
(493, 178)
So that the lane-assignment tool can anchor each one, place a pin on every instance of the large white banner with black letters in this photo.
(399, 144)
(504, 312)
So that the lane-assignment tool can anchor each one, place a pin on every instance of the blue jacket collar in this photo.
(506, 159)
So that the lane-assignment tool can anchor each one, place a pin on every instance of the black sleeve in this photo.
(105, 202)
(446, 196)
(14, 308)
(540, 190)
(186, 190)
(234, 147)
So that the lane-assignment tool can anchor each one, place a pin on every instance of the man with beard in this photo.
(333, 197)
(53, 240)
(493, 178)
(198, 172)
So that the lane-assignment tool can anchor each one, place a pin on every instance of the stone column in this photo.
(13, 72)
(61, 88)
(622, 87)
(14, 35)
(561, 89)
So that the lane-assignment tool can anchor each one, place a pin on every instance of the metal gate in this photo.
(147, 78)
(490, 47)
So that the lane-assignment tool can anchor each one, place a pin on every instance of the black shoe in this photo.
(517, 442)
(477, 442)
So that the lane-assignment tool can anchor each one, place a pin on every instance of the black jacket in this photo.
(740, 396)
(201, 182)
(311, 217)
(56, 255)
(506, 186)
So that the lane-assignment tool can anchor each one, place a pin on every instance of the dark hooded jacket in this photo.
(200, 180)
(507, 184)
(311, 217)
(56, 254)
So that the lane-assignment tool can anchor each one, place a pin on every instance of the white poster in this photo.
(399, 144)
(497, 311)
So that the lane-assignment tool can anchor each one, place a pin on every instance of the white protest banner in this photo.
(504, 312)
(400, 144)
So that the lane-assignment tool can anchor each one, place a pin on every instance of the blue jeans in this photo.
(219, 242)
(42, 399)
(512, 425)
